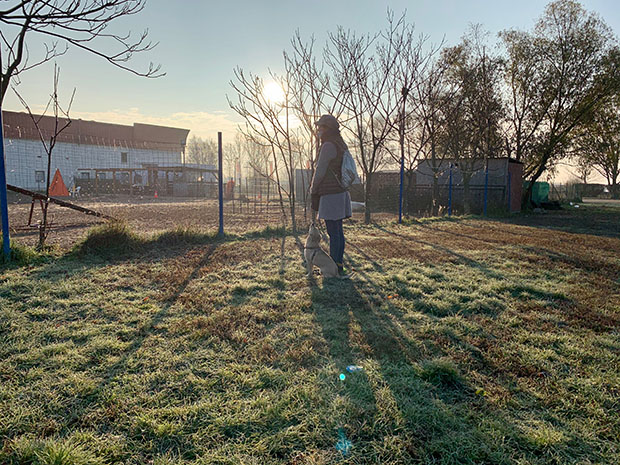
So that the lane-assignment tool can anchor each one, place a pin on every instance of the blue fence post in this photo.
(450, 192)
(400, 195)
(4, 204)
(404, 92)
(219, 182)
(486, 188)
(509, 192)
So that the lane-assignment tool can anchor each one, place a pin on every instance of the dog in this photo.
(314, 255)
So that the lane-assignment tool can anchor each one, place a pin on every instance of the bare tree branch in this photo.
(81, 24)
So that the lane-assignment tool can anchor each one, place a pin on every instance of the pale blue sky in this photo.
(200, 42)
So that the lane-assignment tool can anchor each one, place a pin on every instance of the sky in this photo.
(200, 42)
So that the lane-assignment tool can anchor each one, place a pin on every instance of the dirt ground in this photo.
(148, 216)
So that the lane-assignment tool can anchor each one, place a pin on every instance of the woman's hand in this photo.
(315, 201)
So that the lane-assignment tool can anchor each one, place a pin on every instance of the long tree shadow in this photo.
(397, 394)
(359, 326)
(459, 257)
(410, 388)
(590, 265)
(603, 222)
(139, 337)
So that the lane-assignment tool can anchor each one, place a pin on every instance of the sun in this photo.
(273, 93)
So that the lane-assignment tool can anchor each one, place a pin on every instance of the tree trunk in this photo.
(281, 198)
(435, 204)
(435, 169)
(408, 193)
(292, 198)
(43, 225)
(527, 195)
(367, 195)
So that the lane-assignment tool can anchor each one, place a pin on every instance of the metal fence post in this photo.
(4, 205)
(219, 182)
(450, 193)
(400, 194)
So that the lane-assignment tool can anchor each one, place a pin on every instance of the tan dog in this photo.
(315, 256)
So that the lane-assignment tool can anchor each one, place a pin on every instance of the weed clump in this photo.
(43, 452)
(110, 240)
(21, 255)
(442, 372)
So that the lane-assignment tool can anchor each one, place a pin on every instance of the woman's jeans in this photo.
(336, 240)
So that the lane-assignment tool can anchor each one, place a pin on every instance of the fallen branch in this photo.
(62, 203)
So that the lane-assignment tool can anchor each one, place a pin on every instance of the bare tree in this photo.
(598, 145)
(61, 122)
(367, 92)
(234, 154)
(473, 132)
(584, 169)
(438, 98)
(202, 151)
(410, 72)
(309, 86)
(65, 23)
(268, 123)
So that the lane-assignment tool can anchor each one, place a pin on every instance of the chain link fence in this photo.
(140, 174)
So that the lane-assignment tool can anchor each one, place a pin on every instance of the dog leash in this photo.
(323, 232)
(316, 250)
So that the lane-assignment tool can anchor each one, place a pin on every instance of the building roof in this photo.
(19, 125)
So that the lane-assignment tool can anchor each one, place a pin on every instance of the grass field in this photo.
(481, 342)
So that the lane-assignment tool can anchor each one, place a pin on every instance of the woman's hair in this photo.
(334, 136)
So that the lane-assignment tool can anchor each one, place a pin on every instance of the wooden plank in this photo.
(62, 203)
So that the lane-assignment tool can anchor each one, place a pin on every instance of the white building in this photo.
(86, 149)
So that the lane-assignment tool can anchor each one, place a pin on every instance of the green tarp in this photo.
(540, 192)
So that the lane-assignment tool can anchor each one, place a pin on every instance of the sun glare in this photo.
(273, 92)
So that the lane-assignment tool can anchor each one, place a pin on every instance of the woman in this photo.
(329, 199)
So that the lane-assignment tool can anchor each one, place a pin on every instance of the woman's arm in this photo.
(327, 154)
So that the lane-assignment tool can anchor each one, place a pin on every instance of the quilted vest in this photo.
(330, 184)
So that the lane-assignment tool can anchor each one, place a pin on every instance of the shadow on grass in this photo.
(161, 444)
(413, 392)
(460, 258)
(115, 243)
(592, 264)
(596, 221)
(408, 390)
